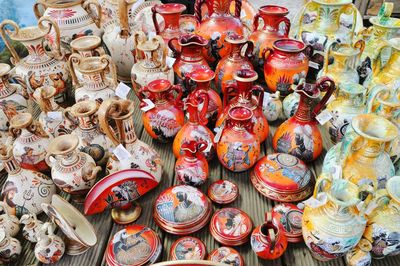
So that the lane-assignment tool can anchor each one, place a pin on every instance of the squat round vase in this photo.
(31, 227)
(50, 248)
(10, 248)
(360, 255)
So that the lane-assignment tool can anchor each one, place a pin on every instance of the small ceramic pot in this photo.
(360, 255)
(31, 227)
(188, 248)
(9, 223)
(50, 248)
(10, 248)
(272, 106)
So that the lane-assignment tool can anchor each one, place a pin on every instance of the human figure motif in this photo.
(7, 196)
(131, 249)
(186, 209)
(235, 225)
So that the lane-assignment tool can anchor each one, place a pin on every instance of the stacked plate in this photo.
(188, 248)
(223, 192)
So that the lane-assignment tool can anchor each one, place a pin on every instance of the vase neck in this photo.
(221, 7)
(304, 109)
(271, 22)
(328, 17)
(36, 52)
(70, 158)
(171, 21)
(235, 52)
(86, 123)
(5, 88)
(95, 81)
(193, 114)
(192, 53)
(149, 62)
(126, 130)
(370, 149)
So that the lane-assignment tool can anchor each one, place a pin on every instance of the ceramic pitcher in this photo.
(10, 248)
(142, 156)
(31, 227)
(87, 46)
(170, 12)
(40, 67)
(8, 222)
(50, 248)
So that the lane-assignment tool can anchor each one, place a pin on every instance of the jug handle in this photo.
(52, 25)
(372, 96)
(15, 57)
(111, 66)
(171, 44)
(123, 19)
(154, 18)
(231, 88)
(197, 9)
(260, 90)
(161, 45)
(312, 6)
(202, 94)
(20, 80)
(49, 159)
(238, 8)
(67, 114)
(327, 55)
(72, 60)
(324, 84)
(36, 9)
(360, 45)
(321, 184)
(96, 17)
(377, 61)
(266, 53)
(256, 19)
(178, 98)
(248, 53)
(271, 232)
(347, 10)
(287, 23)
(138, 37)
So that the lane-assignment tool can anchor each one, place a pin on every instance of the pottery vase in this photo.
(171, 13)
(31, 227)
(272, 106)
(10, 248)
(8, 222)
(49, 248)
(360, 255)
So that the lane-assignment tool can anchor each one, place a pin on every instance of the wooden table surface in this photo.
(249, 201)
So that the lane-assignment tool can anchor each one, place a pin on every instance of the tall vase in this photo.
(171, 13)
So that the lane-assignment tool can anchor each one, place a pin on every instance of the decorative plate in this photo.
(289, 216)
(188, 248)
(226, 255)
(223, 192)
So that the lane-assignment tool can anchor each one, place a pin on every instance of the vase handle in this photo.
(171, 45)
(21, 81)
(161, 46)
(72, 60)
(327, 85)
(377, 60)
(36, 9)
(266, 53)
(248, 53)
(260, 90)
(111, 66)
(197, 10)
(57, 39)
(360, 45)
(202, 94)
(67, 114)
(311, 5)
(123, 18)
(226, 91)
(348, 10)
(375, 91)
(178, 99)
(138, 37)
(326, 57)
(154, 18)
(287, 23)
(320, 186)
(238, 8)
(96, 17)
(15, 57)
(256, 21)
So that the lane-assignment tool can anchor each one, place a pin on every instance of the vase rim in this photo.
(235, 38)
(274, 10)
(374, 127)
(202, 75)
(192, 39)
(395, 23)
(337, 193)
(159, 85)
(30, 33)
(352, 87)
(333, 2)
(60, 3)
(90, 65)
(85, 43)
(344, 49)
(245, 75)
(46, 92)
(296, 45)
(240, 113)
(84, 108)
(4, 69)
(170, 8)
(64, 144)
(388, 98)
(393, 188)
(21, 120)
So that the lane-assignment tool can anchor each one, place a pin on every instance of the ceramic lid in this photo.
(282, 177)
(223, 192)
(289, 217)
(182, 209)
(188, 248)
(226, 255)
(231, 226)
(134, 245)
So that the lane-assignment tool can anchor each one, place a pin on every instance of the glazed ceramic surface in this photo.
(10, 248)
(223, 192)
(8, 222)
(31, 227)
(50, 247)
(290, 217)
(188, 248)
(226, 255)
(272, 106)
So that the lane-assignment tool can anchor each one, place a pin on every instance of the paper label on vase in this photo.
(315, 203)
(170, 61)
(336, 172)
(151, 34)
(57, 116)
(218, 130)
(313, 64)
(121, 153)
(324, 117)
(122, 90)
(150, 105)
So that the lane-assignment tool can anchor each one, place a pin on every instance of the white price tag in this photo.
(324, 117)
(218, 130)
(170, 61)
(337, 172)
(313, 64)
(333, 97)
(122, 90)
(121, 153)
(151, 34)
(57, 116)
(315, 203)
(265, 99)
(150, 105)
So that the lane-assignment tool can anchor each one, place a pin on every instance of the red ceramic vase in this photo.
(299, 135)
(171, 13)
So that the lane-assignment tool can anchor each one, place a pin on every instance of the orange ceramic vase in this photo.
(238, 147)
(202, 79)
(166, 118)
(234, 61)
(299, 135)
(196, 129)
(217, 25)
(243, 93)
(171, 13)
(286, 64)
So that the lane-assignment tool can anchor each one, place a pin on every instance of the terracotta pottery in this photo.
(166, 118)
(170, 13)
(50, 248)
(226, 255)
(87, 46)
(272, 29)
(218, 25)
(289, 217)
(188, 248)
(203, 78)
(24, 190)
(238, 148)
(13, 97)
(40, 67)
(234, 61)
(75, 18)
(242, 92)
(247, 13)
(282, 177)
(10, 248)
(119, 192)
(31, 227)
(142, 156)
(299, 135)
(54, 119)
(188, 56)
(272, 106)
(223, 192)
(150, 63)
(8, 222)
(286, 64)
(91, 140)
(349, 102)
(332, 223)
(195, 129)
(30, 142)
(73, 171)
(191, 168)
(267, 240)
(360, 255)
(79, 232)
(95, 84)
(146, 249)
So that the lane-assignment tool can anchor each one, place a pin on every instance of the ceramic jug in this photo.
(166, 118)
(87, 46)
(54, 119)
(10, 248)
(8, 222)
(360, 255)
(24, 190)
(13, 97)
(268, 240)
(363, 152)
(272, 106)
(349, 101)
(95, 85)
(40, 67)
(75, 18)
(195, 128)
(110, 11)
(383, 222)
(202, 78)
(346, 59)
(31, 227)
(276, 25)
(299, 135)
(191, 168)
(30, 142)
(286, 64)
(332, 224)
(246, 94)
(91, 139)
(142, 156)
(150, 63)
(216, 26)
(238, 148)
(233, 61)
(49, 248)
(73, 171)
(171, 13)
(188, 56)
(290, 103)
(320, 23)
